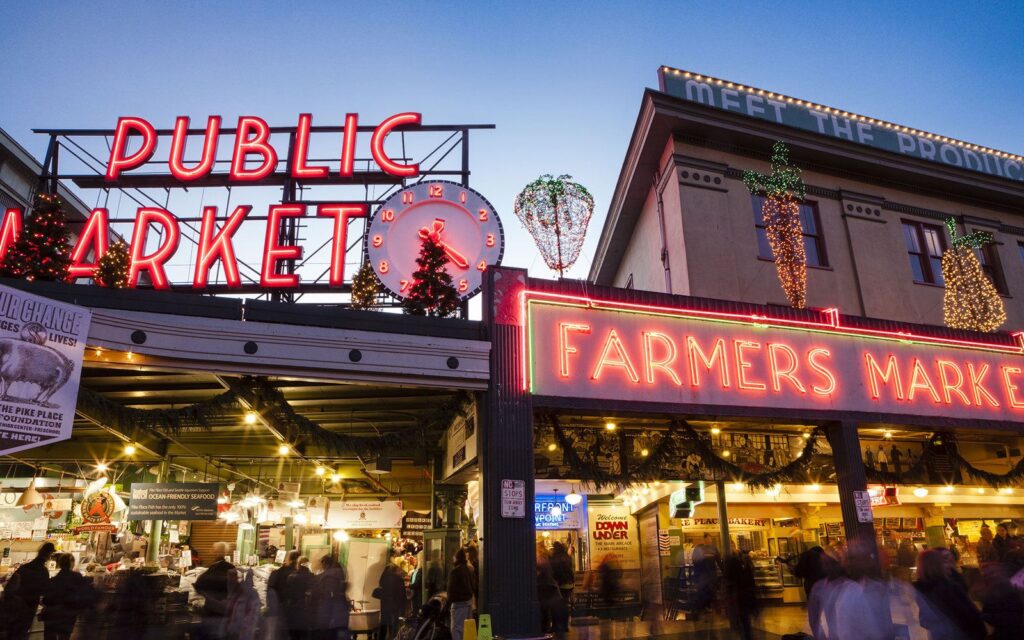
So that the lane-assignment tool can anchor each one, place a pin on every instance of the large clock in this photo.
(461, 220)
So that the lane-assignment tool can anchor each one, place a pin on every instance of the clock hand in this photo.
(434, 233)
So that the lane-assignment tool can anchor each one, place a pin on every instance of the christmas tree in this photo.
(970, 301)
(365, 287)
(783, 190)
(432, 292)
(112, 268)
(41, 251)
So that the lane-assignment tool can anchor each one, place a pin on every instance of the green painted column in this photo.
(156, 527)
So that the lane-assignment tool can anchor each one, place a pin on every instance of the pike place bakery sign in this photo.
(583, 347)
(461, 220)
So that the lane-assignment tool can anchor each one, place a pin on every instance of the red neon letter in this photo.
(341, 213)
(9, 231)
(273, 252)
(821, 370)
(348, 144)
(94, 236)
(244, 146)
(742, 365)
(949, 388)
(621, 360)
(209, 156)
(563, 344)
(118, 160)
(154, 262)
(665, 363)
(377, 145)
(299, 167)
(217, 246)
(919, 380)
(693, 352)
(778, 373)
(1011, 389)
(977, 384)
(891, 374)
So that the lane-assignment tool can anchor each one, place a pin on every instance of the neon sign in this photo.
(587, 348)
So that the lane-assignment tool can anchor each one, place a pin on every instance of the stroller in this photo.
(429, 623)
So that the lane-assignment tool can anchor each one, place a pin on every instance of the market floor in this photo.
(772, 624)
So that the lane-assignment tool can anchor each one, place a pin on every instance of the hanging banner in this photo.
(613, 534)
(372, 514)
(173, 501)
(41, 347)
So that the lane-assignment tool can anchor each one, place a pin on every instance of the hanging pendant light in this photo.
(574, 498)
(30, 497)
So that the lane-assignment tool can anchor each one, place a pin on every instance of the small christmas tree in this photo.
(365, 287)
(432, 292)
(41, 251)
(112, 268)
(970, 301)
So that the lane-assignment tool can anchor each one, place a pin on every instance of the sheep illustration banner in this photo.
(41, 346)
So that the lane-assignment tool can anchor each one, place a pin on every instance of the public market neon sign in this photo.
(577, 346)
(253, 159)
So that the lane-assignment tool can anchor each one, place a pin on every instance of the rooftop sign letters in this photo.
(801, 114)
(587, 348)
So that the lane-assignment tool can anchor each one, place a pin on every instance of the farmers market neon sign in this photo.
(577, 346)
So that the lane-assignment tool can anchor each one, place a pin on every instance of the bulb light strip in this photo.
(840, 112)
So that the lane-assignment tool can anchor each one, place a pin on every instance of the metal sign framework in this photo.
(77, 156)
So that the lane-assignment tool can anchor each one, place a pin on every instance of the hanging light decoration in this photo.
(970, 300)
(783, 191)
(574, 498)
(556, 212)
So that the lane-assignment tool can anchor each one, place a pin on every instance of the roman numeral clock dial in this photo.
(458, 218)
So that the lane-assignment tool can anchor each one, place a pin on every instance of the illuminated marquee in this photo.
(586, 348)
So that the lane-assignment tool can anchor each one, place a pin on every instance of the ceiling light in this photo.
(815, 487)
(726, 453)
(980, 490)
(30, 497)
(250, 417)
(920, 492)
(574, 498)
(644, 452)
(102, 467)
(129, 449)
(320, 471)
(715, 431)
(556, 511)
(610, 426)
(887, 435)
(335, 478)
(552, 447)
(341, 535)
(283, 449)
(737, 486)
(1006, 491)
(948, 488)
(807, 435)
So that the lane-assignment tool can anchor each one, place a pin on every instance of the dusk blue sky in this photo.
(562, 81)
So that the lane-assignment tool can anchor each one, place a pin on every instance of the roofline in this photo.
(21, 155)
(664, 115)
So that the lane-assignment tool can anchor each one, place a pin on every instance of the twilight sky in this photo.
(562, 81)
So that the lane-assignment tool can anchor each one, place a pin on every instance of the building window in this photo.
(988, 256)
(810, 225)
(925, 244)
(629, 282)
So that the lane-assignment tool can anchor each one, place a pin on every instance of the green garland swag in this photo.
(944, 444)
(259, 392)
(680, 440)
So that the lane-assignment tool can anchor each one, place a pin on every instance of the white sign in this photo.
(41, 347)
(862, 500)
(371, 514)
(513, 499)
(613, 535)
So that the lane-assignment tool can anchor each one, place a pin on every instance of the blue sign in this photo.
(566, 516)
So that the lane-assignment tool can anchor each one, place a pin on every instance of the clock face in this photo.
(460, 219)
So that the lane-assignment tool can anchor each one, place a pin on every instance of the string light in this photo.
(365, 287)
(250, 417)
(556, 212)
(610, 426)
(970, 301)
(113, 267)
(129, 449)
(784, 190)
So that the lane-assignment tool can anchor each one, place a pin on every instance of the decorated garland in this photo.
(944, 445)
(259, 392)
(680, 440)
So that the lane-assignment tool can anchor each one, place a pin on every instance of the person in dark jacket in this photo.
(461, 590)
(1001, 544)
(215, 585)
(23, 592)
(1001, 605)
(561, 570)
(809, 568)
(296, 600)
(67, 595)
(328, 600)
(276, 589)
(392, 600)
(945, 609)
(740, 592)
